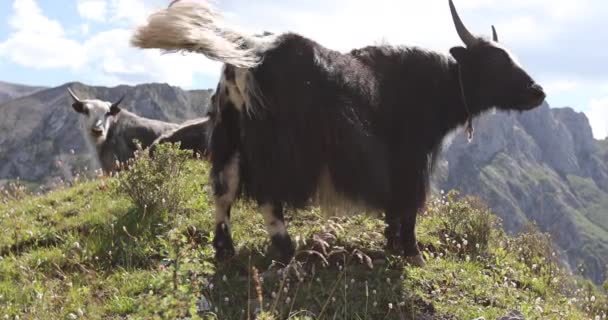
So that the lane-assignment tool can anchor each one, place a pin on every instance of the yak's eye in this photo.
(500, 57)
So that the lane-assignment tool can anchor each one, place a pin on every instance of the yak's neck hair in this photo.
(440, 82)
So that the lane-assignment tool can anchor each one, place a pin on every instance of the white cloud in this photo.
(28, 18)
(104, 58)
(115, 60)
(38, 41)
(94, 10)
(39, 51)
(132, 12)
(598, 117)
(345, 24)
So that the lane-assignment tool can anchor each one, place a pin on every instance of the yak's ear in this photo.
(460, 54)
(115, 107)
(80, 108)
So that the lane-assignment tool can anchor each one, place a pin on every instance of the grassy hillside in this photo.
(139, 247)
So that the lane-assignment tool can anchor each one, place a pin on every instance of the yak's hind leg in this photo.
(393, 229)
(275, 224)
(226, 183)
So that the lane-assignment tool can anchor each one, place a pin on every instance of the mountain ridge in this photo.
(10, 91)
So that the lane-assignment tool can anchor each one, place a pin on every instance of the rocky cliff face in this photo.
(41, 136)
(542, 166)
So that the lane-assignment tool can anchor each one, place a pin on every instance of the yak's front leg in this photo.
(275, 225)
(413, 202)
(225, 185)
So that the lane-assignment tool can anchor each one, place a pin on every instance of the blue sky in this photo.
(563, 43)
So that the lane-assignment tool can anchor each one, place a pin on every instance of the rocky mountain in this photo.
(542, 166)
(10, 91)
(41, 136)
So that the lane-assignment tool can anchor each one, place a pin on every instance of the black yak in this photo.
(292, 118)
(191, 135)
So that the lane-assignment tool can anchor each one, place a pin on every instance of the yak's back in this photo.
(318, 116)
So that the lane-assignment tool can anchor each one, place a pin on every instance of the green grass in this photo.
(90, 252)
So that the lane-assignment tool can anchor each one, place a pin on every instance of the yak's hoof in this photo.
(222, 242)
(224, 253)
(282, 248)
(417, 260)
(394, 247)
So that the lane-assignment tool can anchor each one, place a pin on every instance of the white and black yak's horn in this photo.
(74, 96)
(196, 27)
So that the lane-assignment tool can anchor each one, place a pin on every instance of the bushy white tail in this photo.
(196, 27)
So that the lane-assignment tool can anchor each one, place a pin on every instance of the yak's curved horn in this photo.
(467, 37)
(117, 103)
(74, 96)
(494, 34)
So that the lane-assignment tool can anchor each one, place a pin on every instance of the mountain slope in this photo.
(10, 91)
(542, 166)
(92, 252)
(41, 136)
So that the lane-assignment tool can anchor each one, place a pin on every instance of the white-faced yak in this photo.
(112, 131)
(292, 118)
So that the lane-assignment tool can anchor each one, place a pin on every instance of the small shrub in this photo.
(13, 191)
(156, 184)
(467, 224)
(535, 250)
